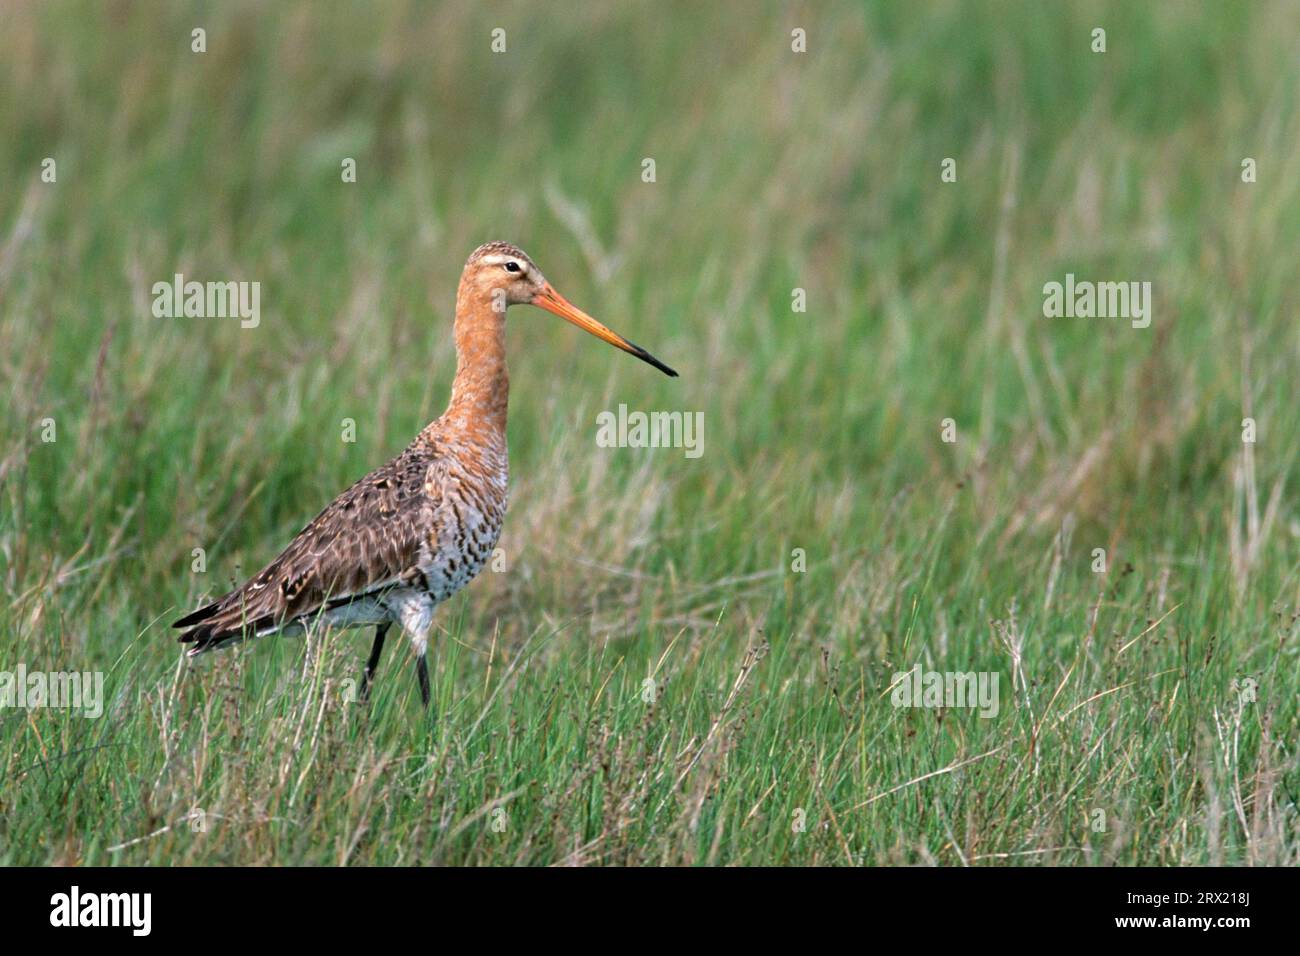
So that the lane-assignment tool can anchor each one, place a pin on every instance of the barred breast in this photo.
(470, 491)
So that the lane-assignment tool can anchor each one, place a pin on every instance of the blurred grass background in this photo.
(774, 171)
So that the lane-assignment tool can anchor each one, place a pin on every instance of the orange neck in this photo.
(481, 388)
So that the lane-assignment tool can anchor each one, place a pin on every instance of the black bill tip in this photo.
(649, 359)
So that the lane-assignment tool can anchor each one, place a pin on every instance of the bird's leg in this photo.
(415, 614)
(380, 633)
(422, 672)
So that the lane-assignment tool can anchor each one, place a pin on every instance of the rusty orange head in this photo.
(512, 278)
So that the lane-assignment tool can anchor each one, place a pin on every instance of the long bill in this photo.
(552, 301)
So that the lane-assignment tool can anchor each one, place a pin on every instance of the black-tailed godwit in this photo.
(412, 533)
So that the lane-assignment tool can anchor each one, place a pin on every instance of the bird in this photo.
(413, 532)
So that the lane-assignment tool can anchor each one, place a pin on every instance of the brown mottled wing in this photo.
(366, 540)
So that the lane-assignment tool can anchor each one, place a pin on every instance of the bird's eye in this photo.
(512, 267)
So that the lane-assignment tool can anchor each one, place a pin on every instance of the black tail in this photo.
(211, 626)
(206, 637)
(202, 614)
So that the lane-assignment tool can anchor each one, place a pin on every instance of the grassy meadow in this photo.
(675, 660)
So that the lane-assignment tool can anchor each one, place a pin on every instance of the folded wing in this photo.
(369, 539)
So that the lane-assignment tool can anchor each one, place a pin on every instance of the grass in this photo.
(767, 735)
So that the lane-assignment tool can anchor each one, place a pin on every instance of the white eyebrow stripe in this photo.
(498, 260)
